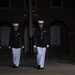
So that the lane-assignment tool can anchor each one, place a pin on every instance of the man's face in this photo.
(41, 25)
(15, 28)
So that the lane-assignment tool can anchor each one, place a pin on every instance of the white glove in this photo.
(22, 46)
(0, 47)
(47, 46)
(34, 46)
(9, 47)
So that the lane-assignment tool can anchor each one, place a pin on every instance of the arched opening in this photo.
(5, 29)
(58, 39)
(25, 36)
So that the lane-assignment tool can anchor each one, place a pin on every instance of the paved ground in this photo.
(53, 66)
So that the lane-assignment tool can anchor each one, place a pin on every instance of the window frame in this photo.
(6, 7)
(57, 6)
(32, 6)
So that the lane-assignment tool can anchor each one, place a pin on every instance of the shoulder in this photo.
(36, 30)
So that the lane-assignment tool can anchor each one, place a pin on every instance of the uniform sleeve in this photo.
(48, 37)
(0, 42)
(35, 37)
(22, 39)
(10, 38)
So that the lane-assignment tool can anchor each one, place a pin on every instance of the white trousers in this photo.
(41, 51)
(16, 52)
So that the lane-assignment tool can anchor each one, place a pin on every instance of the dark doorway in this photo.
(25, 37)
(58, 39)
(5, 29)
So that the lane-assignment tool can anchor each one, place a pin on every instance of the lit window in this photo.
(4, 3)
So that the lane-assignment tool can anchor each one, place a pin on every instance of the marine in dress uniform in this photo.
(15, 44)
(41, 42)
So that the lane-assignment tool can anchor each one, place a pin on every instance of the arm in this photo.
(0, 43)
(10, 39)
(22, 39)
(35, 38)
(48, 38)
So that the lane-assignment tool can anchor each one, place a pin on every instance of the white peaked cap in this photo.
(16, 24)
(40, 21)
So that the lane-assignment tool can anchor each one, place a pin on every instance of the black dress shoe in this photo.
(13, 66)
(38, 67)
